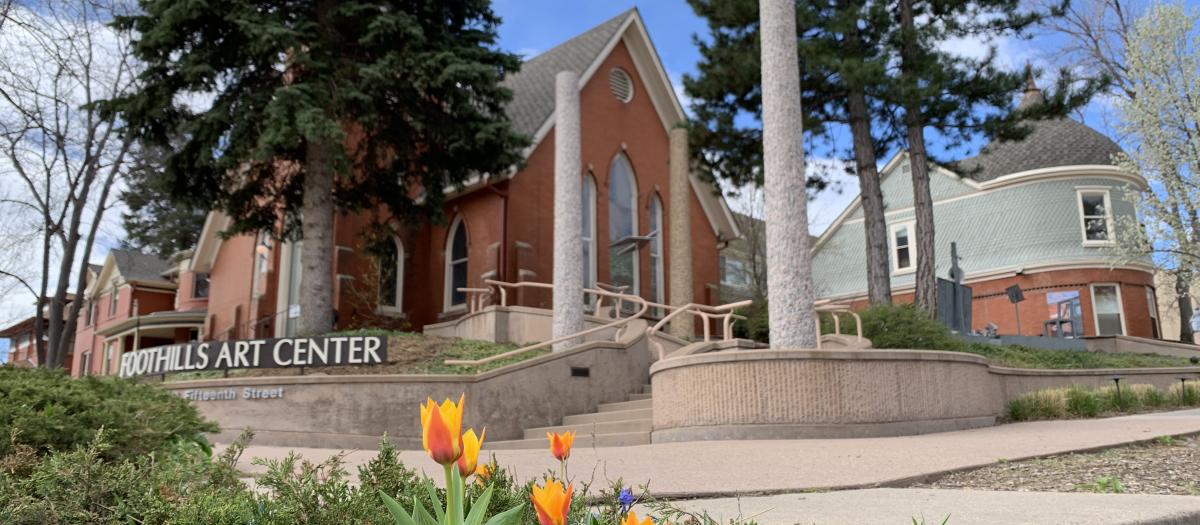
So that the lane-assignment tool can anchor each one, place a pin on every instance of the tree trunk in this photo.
(316, 256)
(789, 269)
(879, 285)
(925, 296)
(1184, 297)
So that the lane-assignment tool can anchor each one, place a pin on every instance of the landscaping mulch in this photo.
(1169, 466)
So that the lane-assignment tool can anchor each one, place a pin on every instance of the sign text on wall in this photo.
(258, 353)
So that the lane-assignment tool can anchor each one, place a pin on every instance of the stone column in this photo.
(680, 221)
(568, 219)
(789, 270)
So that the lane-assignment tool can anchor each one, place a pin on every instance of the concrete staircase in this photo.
(617, 424)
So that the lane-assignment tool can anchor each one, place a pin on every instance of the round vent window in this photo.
(621, 84)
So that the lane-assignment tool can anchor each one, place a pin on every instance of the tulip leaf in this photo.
(509, 517)
(422, 516)
(479, 507)
(437, 502)
(397, 511)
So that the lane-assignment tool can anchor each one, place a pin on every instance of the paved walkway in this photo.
(728, 468)
(963, 507)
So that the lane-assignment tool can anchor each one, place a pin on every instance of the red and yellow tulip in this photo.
(631, 519)
(552, 502)
(560, 444)
(470, 452)
(441, 430)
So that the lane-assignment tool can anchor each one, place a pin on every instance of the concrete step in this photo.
(647, 389)
(638, 397)
(581, 429)
(625, 405)
(614, 415)
(624, 439)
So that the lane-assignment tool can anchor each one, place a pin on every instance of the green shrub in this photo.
(904, 326)
(1148, 396)
(1082, 402)
(50, 411)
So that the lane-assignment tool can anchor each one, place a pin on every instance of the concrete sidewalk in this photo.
(963, 507)
(728, 468)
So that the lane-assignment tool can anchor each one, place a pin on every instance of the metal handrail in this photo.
(706, 312)
(837, 327)
(619, 323)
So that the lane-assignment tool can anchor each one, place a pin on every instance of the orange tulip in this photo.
(441, 428)
(552, 502)
(483, 472)
(470, 452)
(631, 519)
(560, 444)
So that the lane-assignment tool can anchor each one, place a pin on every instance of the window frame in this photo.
(398, 307)
(196, 278)
(1080, 192)
(448, 268)
(657, 268)
(589, 235)
(1152, 305)
(1096, 313)
(893, 248)
(633, 247)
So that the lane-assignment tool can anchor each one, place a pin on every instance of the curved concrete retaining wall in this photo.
(811, 394)
(790, 394)
(353, 411)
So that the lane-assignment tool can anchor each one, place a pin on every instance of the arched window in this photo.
(622, 225)
(391, 275)
(589, 231)
(656, 255)
(456, 265)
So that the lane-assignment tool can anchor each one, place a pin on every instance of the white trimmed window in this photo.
(1107, 309)
(456, 266)
(903, 254)
(391, 276)
(589, 231)
(656, 258)
(1095, 216)
(113, 297)
(622, 226)
(1155, 326)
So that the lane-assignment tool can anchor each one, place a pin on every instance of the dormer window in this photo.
(1095, 216)
(113, 296)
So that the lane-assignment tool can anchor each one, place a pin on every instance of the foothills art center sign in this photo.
(258, 353)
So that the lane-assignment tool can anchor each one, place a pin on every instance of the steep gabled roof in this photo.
(141, 267)
(533, 85)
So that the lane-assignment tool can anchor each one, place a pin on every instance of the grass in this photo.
(1015, 356)
(1079, 402)
(1105, 485)
(408, 353)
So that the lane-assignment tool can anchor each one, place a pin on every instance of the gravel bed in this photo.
(1169, 466)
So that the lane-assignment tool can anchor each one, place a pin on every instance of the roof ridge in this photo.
(620, 17)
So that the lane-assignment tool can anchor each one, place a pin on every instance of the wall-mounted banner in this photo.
(257, 353)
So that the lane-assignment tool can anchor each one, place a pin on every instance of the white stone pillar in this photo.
(680, 221)
(789, 270)
(568, 219)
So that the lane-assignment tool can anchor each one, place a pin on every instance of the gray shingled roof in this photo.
(1051, 143)
(533, 85)
(137, 266)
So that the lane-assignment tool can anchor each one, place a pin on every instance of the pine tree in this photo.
(959, 97)
(320, 107)
(842, 65)
(156, 222)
